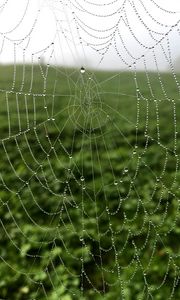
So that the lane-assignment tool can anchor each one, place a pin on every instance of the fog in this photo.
(96, 34)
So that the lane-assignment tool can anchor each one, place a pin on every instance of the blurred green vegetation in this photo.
(60, 233)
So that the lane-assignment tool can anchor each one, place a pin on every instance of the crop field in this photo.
(89, 184)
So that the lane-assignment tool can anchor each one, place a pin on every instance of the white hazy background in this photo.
(90, 33)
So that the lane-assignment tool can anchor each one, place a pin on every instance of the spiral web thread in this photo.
(87, 182)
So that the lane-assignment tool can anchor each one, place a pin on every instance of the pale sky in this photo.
(78, 32)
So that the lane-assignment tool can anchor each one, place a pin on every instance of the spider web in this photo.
(89, 159)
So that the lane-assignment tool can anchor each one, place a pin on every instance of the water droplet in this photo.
(82, 70)
(125, 170)
(134, 152)
(82, 178)
(115, 182)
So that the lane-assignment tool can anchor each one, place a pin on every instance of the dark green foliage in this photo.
(49, 222)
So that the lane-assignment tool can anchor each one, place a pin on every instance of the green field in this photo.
(89, 184)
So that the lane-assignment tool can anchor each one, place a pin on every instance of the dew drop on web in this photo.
(82, 70)
(82, 178)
